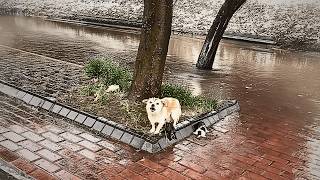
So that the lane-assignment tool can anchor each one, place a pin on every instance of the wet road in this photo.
(279, 91)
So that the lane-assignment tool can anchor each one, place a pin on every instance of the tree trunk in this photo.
(153, 48)
(216, 31)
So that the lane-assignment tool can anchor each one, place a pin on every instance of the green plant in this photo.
(185, 97)
(109, 73)
(94, 69)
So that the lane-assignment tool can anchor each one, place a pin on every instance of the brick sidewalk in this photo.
(47, 147)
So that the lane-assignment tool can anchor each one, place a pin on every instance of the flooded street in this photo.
(278, 91)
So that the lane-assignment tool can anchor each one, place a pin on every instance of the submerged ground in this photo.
(276, 134)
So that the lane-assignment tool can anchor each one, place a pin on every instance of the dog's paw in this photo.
(151, 131)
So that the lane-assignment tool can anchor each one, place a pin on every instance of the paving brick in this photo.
(30, 145)
(3, 129)
(75, 131)
(64, 175)
(150, 174)
(251, 175)
(71, 146)
(111, 146)
(32, 136)
(53, 137)
(192, 166)
(54, 129)
(50, 145)
(194, 175)
(51, 156)
(46, 165)
(8, 155)
(9, 145)
(71, 137)
(127, 173)
(41, 175)
(152, 165)
(88, 154)
(98, 126)
(18, 129)
(72, 115)
(23, 165)
(13, 136)
(89, 137)
(91, 146)
(172, 174)
(80, 118)
(28, 155)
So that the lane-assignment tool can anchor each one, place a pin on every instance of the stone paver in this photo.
(223, 155)
(71, 137)
(32, 136)
(89, 137)
(28, 155)
(30, 145)
(51, 156)
(46, 165)
(264, 145)
(53, 137)
(13, 136)
(9, 145)
(50, 145)
(89, 145)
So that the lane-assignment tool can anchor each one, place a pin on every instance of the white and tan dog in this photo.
(161, 111)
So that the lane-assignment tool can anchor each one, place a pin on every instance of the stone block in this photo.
(72, 115)
(117, 133)
(56, 108)
(126, 138)
(47, 105)
(98, 126)
(137, 142)
(107, 130)
(89, 122)
(80, 118)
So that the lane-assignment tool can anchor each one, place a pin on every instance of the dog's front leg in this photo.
(160, 125)
(153, 127)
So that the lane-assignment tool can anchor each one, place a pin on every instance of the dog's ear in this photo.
(145, 101)
(164, 102)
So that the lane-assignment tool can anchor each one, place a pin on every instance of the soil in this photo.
(118, 109)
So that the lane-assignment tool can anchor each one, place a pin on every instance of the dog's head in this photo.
(153, 105)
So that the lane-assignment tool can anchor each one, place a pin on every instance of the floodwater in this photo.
(277, 89)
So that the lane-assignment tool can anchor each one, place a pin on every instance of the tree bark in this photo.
(215, 33)
(153, 48)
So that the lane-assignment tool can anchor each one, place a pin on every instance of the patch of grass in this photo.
(185, 97)
(109, 73)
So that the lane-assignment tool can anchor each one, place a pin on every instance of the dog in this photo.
(161, 111)
(200, 130)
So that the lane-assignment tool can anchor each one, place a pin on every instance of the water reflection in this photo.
(275, 87)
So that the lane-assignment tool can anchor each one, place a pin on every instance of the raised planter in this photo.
(115, 130)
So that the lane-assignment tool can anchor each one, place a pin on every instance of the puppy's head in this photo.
(153, 105)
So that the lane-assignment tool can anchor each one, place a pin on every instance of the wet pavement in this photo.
(275, 136)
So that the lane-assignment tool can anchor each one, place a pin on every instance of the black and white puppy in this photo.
(200, 130)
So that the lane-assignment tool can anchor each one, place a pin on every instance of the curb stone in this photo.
(118, 131)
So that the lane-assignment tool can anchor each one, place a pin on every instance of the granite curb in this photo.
(115, 130)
